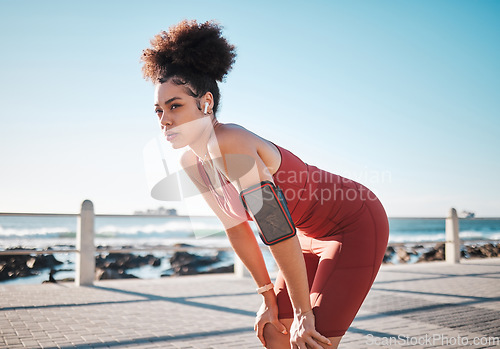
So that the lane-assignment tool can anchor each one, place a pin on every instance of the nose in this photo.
(165, 120)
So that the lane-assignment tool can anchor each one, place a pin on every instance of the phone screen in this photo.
(269, 214)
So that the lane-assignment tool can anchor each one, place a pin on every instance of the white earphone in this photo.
(206, 108)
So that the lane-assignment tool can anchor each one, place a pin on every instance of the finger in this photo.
(299, 346)
(260, 333)
(298, 343)
(311, 343)
(279, 326)
(320, 338)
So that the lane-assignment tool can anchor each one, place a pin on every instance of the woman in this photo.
(327, 268)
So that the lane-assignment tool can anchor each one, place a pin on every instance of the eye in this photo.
(158, 112)
(174, 106)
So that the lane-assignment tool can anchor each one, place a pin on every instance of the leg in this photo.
(349, 262)
(274, 338)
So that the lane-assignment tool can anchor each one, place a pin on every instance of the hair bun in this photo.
(189, 48)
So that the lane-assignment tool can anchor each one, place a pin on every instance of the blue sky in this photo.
(403, 96)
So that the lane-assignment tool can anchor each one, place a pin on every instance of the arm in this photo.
(287, 253)
(288, 256)
(240, 234)
(245, 245)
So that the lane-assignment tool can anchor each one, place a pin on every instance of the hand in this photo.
(268, 313)
(303, 332)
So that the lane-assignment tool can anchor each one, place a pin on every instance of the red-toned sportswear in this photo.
(343, 231)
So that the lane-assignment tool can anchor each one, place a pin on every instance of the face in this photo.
(181, 121)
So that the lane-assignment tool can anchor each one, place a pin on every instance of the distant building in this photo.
(160, 211)
(466, 214)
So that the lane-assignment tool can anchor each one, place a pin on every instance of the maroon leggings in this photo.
(341, 269)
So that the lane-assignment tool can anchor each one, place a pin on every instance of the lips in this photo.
(171, 136)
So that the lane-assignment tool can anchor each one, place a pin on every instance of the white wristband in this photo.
(265, 288)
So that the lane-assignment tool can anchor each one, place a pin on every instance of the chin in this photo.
(178, 145)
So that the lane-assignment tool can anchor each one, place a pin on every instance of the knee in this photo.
(275, 339)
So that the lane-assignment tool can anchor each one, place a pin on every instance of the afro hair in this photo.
(189, 49)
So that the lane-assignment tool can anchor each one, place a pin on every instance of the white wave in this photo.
(33, 231)
(174, 226)
(495, 236)
(111, 229)
(470, 235)
(465, 235)
(416, 238)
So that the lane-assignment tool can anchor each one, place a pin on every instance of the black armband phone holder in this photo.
(267, 206)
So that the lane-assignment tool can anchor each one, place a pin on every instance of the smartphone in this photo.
(267, 206)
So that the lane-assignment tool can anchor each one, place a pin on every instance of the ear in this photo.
(208, 98)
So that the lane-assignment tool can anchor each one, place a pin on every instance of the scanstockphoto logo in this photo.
(436, 339)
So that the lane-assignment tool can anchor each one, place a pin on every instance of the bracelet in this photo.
(265, 288)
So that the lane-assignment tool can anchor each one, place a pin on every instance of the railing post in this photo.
(85, 258)
(452, 249)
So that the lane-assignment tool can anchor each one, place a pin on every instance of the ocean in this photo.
(59, 232)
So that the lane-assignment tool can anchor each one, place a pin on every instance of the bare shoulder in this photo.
(236, 138)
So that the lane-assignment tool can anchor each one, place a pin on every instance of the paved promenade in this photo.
(431, 305)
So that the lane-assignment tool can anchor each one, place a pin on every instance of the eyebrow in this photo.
(169, 101)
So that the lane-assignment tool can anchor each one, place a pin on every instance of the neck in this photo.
(200, 147)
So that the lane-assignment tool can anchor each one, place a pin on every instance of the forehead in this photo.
(168, 90)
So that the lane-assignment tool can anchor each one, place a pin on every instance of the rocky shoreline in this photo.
(420, 253)
(17, 266)
(118, 265)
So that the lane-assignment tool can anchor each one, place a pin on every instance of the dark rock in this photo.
(436, 253)
(223, 269)
(113, 265)
(403, 255)
(489, 250)
(473, 251)
(185, 263)
(389, 252)
(14, 270)
(482, 251)
(14, 266)
(51, 276)
(43, 261)
(108, 274)
(100, 261)
(182, 245)
(167, 273)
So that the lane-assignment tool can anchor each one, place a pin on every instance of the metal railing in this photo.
(86, 250)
